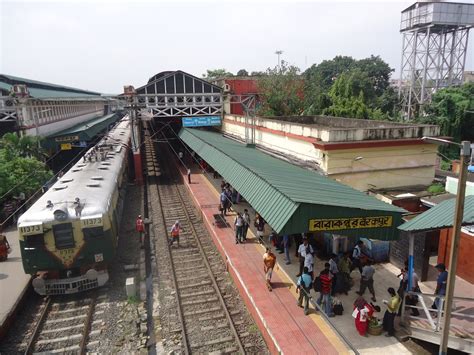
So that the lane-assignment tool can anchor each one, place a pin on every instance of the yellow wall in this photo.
(385, 167)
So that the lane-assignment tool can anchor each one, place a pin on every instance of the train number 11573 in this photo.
(91, 222)
(28, 230)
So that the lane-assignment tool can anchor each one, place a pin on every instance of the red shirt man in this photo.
(140, 227)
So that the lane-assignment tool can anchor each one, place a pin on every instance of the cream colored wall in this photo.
(384, 167)
(295, 148)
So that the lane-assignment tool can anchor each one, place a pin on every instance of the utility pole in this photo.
(278, 53)
(453, 255)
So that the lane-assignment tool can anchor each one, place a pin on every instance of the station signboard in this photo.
(201, 121)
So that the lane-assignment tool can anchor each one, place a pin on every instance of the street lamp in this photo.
(458, 218)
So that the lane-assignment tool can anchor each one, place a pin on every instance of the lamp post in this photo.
(278, 53)
(458, 218)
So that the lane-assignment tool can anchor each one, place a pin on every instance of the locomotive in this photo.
(68, 237)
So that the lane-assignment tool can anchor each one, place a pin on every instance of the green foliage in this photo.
(453, 110)
(436, 189)
(282, 91)
(445, 165)
(347, 87)
(213, 74)
(20, 167)
(133, 300)
(242, 72)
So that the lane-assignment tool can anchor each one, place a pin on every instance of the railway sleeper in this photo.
(231, 350)
(63, 311)
(64, 329)
(60, 351)
(58, 340)
(201, 293)
(195, 313)
(69, 319)
(206, 300)
(213, 342)
(211, 327)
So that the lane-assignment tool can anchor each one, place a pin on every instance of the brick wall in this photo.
(465, 267)
(399, 252)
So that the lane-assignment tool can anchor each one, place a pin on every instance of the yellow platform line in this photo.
(319, 320)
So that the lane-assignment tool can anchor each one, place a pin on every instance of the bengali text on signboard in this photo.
(201, 121)
(335, 224)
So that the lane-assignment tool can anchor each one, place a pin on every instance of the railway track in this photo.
(68, 324)
(207, 315)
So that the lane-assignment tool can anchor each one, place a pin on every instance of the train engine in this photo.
(68, 237)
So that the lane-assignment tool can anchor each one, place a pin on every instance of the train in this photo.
(69, 236)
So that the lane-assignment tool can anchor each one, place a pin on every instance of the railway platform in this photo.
(283, 324)
(13, 281)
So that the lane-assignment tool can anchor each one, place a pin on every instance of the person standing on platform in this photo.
(325, 295)
(223, 203)
(303, 249)
(391, 312)
(246, 218)
(189, 176)
(441, 283)
(260, 226)
(239, 225)
(174, 231)
(309, 264)
(298, 238)
(269, 260)
(140, 228)
(334, 271)
(357, 255)
(363, 312)
(367, 280)
(344, 266)
(286, 247)
(304, 288)
(228, 193)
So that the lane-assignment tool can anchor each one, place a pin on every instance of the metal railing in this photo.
(435, 316)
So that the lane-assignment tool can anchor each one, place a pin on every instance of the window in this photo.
(34, 241)
(63, 236)
(93, 233)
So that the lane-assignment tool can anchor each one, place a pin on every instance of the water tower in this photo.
(435, 37)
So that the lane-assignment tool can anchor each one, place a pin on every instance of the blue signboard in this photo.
(201, 121)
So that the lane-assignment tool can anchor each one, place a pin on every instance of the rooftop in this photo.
(42, 90)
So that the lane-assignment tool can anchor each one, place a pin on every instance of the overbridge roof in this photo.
(440, 216)
(288, 196)
(42, 90)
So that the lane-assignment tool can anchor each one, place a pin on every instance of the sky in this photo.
(103, 45)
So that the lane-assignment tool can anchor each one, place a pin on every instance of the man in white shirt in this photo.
(302, 251)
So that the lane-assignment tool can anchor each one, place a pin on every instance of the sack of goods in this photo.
(337, 307)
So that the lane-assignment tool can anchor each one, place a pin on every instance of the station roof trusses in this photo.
(178, 94)
(290, 198)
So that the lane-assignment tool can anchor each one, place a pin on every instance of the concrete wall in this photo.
(360, 168)
(452, 186)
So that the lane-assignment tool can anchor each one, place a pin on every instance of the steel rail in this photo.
(39, 324)
(184, 336)
(208, 267)
(87, 324)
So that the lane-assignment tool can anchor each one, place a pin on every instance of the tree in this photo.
(24, 146)
(453, 110)
(213, 74)
(242, 72)
(281, 91)
(257, 73)
(378, 71)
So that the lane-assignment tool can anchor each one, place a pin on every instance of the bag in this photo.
(317, 284)
(338, 309)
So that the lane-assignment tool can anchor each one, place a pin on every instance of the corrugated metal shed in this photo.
(286, 195)
(440, 216)
(41, 90)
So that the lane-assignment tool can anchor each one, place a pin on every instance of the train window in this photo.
(92, 233)
(34, 241)
(63, 235)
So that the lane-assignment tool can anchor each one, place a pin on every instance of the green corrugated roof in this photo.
(42, 90)
(440, 216)
(275, 188)
(89, 129)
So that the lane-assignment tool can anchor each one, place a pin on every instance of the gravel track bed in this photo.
(207, 327)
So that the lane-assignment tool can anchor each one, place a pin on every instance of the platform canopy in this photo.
(439, 217)
(82, 132)
(293, 199)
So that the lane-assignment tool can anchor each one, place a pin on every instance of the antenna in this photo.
(278, 53)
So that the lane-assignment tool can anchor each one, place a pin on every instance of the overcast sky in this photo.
(104, 45)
